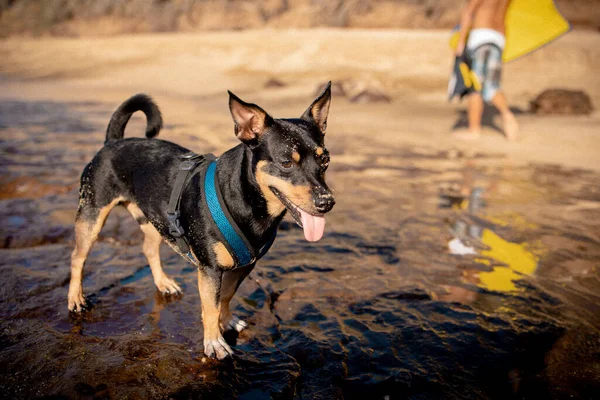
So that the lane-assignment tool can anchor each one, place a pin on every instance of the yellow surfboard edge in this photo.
(530, 25)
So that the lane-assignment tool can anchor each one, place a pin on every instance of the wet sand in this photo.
(379, 307)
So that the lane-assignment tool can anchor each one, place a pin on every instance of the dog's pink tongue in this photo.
(313, 226)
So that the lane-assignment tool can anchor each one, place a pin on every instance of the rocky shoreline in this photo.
(109, 17)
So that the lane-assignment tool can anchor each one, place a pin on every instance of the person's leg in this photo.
(511, 127)
(474, 112)
(475, 99)
(475, 105)
(496, 96)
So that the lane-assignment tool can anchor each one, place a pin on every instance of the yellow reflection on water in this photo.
(518, 260)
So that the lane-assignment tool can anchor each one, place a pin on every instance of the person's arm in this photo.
(465, 24)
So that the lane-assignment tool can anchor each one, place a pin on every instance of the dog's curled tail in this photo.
(139, 102)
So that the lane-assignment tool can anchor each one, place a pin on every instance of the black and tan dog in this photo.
(280, 165)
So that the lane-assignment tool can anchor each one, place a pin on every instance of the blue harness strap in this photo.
(233, 238)
(242, 251)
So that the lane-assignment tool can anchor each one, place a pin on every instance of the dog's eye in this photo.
(287, 164)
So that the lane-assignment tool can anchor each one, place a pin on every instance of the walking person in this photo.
(482, 36)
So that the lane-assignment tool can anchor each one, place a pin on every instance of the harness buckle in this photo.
(175, 228)
(187, 165)
(190, 155)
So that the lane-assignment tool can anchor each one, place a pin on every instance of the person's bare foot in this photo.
(511, 127)
(467, 134)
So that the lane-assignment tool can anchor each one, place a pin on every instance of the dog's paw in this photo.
(168, 286)
(217, 348)
(77, 302)
(232, 323)
(236, 324)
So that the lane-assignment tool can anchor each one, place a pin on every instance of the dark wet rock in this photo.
(376, 309)
(337, 88)
(410, 295)
(371, 95)
(30, 187)
(387, 252)
(84, 389)
(573, 362)
(37, 222)
(29, 233)
(357, 91)
(139, 349)
(274, 83)
(562, 102)
(55, 117)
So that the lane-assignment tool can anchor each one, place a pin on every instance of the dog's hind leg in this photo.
(151, 248)
(209, 284)
(230, 283)
(88, 224)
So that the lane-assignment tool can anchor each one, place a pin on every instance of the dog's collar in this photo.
(233, 238)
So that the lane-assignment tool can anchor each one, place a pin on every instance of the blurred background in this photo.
(448, 269)
(393, 50)
(109, 17)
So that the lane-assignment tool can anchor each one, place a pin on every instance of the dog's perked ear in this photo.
(250, 120)
(319, 109)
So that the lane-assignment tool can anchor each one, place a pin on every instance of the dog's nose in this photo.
(324, 202)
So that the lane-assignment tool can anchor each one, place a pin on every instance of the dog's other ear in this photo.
(319, 109)
(250, 120)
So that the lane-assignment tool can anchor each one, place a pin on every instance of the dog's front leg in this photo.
(229, 285)
(209, 284)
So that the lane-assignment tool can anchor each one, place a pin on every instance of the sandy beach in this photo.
(382, 305)
(187, 72)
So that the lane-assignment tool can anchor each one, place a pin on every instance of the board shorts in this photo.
(484, 47)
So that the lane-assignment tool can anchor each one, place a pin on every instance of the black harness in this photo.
(232, 237)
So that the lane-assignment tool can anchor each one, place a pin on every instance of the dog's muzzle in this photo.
(324, 202)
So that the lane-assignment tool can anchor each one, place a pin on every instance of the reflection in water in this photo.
(509, 261)
(518, 262)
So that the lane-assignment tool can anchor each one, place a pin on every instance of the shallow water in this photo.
(379, 308)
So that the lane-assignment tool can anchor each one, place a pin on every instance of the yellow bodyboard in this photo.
(530, 24)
